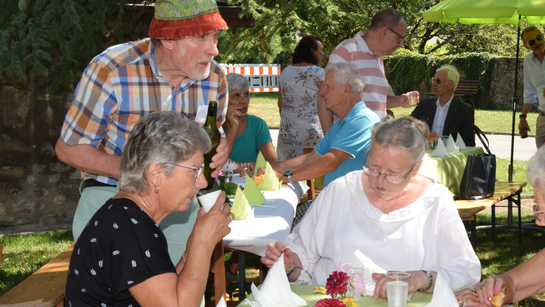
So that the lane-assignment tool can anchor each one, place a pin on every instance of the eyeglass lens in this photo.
(533, 41)
(436, 80)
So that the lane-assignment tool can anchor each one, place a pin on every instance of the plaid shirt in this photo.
(122, 85)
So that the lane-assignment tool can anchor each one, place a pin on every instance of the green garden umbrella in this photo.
(491, 12)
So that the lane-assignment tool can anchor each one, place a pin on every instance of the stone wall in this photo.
(35, 188)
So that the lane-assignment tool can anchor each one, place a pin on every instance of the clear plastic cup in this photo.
(397, 288)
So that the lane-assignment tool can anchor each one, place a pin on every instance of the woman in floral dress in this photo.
(298, 99)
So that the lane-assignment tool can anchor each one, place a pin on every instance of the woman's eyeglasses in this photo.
(390, 178)
(198, 170)
(538, 212)
(533, 41)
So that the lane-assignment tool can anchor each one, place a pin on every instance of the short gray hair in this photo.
(161, 137)
(407, 133)
(236, 82)
(452, 74)
(346, 73)
(536, 170)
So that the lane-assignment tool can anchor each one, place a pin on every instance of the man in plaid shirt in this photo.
(173, 70)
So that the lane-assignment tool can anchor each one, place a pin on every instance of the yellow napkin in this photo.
(259, 163)
(241, 209)
(270, 181)
(252, 192)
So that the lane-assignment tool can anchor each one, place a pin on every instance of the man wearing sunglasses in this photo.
(365, 51)
(446, 114)
(534, 83)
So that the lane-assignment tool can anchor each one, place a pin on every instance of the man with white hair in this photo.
(344, 147)
(446, 114)
(172, 70)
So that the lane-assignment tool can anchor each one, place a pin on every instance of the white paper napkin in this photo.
(460, 142)
(440, 150)
(275, 291)
(222, 302)
(443, 296)
(451, 145)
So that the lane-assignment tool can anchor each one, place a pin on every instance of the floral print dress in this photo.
(299, 124)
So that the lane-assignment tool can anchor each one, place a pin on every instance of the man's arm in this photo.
(88, 159)
(467, 133)
(311, 165)
(523, 123)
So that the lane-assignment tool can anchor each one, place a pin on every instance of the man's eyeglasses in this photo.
(533, 41)
(537, 212)
(390, 178)
(198, 170)
(401, 38)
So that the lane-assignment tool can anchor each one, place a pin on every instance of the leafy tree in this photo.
(287, 21)
(51, 41)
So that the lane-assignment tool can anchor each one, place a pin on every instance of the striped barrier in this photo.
(262, 77)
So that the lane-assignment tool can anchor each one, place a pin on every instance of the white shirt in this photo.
(425, 235)
(440, 116)
(534, 80)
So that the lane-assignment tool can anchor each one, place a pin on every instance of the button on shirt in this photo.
(534, 80)
(440, 116)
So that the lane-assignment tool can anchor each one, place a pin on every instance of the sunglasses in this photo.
(436, 80)
(537, 211)
(533, 41)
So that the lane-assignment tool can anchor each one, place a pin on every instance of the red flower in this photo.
(336, 283)
(329, 302)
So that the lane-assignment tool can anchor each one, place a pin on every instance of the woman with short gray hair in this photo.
(387, 217)
(247, 135)
(121, 257)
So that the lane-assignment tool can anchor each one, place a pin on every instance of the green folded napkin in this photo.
(270, 181)
(252, 192)
(241, 208)
(259, 163)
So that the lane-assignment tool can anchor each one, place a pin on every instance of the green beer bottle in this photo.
(211, 129)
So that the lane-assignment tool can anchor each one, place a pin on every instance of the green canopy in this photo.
(487, 11)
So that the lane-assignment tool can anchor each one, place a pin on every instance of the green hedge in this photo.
(411, 71)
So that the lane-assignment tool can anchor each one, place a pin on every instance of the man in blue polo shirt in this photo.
(345, 146)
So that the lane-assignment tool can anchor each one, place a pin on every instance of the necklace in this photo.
(143, 203)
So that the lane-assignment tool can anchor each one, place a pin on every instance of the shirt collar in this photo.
(362, 44)
(353, 111)
(447, 105)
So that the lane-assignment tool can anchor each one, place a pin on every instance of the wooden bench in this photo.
(467, 88)
(45, 288)
(502, 190)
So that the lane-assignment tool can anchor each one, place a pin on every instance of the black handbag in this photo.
(479, 176)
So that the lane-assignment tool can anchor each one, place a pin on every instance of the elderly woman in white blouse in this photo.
(387, 217)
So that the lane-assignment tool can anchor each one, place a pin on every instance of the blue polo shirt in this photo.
(353, 136)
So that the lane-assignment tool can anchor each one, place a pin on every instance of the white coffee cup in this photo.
(207, 201)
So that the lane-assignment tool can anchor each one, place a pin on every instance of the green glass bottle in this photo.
(211, 129)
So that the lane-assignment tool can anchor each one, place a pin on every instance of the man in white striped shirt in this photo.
(365, 51)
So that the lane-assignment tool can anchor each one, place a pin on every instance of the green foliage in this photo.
(407, 71)
(54, 40)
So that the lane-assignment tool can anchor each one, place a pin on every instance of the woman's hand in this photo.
(491, 286)
(467, 297)
(211, 227)
(233, 113)
(418, 280)
(292, 263)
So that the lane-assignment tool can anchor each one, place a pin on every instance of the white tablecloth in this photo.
(272, 220)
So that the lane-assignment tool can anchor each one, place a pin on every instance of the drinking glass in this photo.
(245, 169)
(397, 288)
(412, 99)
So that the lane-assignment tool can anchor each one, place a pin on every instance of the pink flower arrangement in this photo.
(344, 279)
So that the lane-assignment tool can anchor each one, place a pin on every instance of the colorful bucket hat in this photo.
(175, 19)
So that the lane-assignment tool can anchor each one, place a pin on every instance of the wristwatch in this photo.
(522, 115)
(288, 175)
